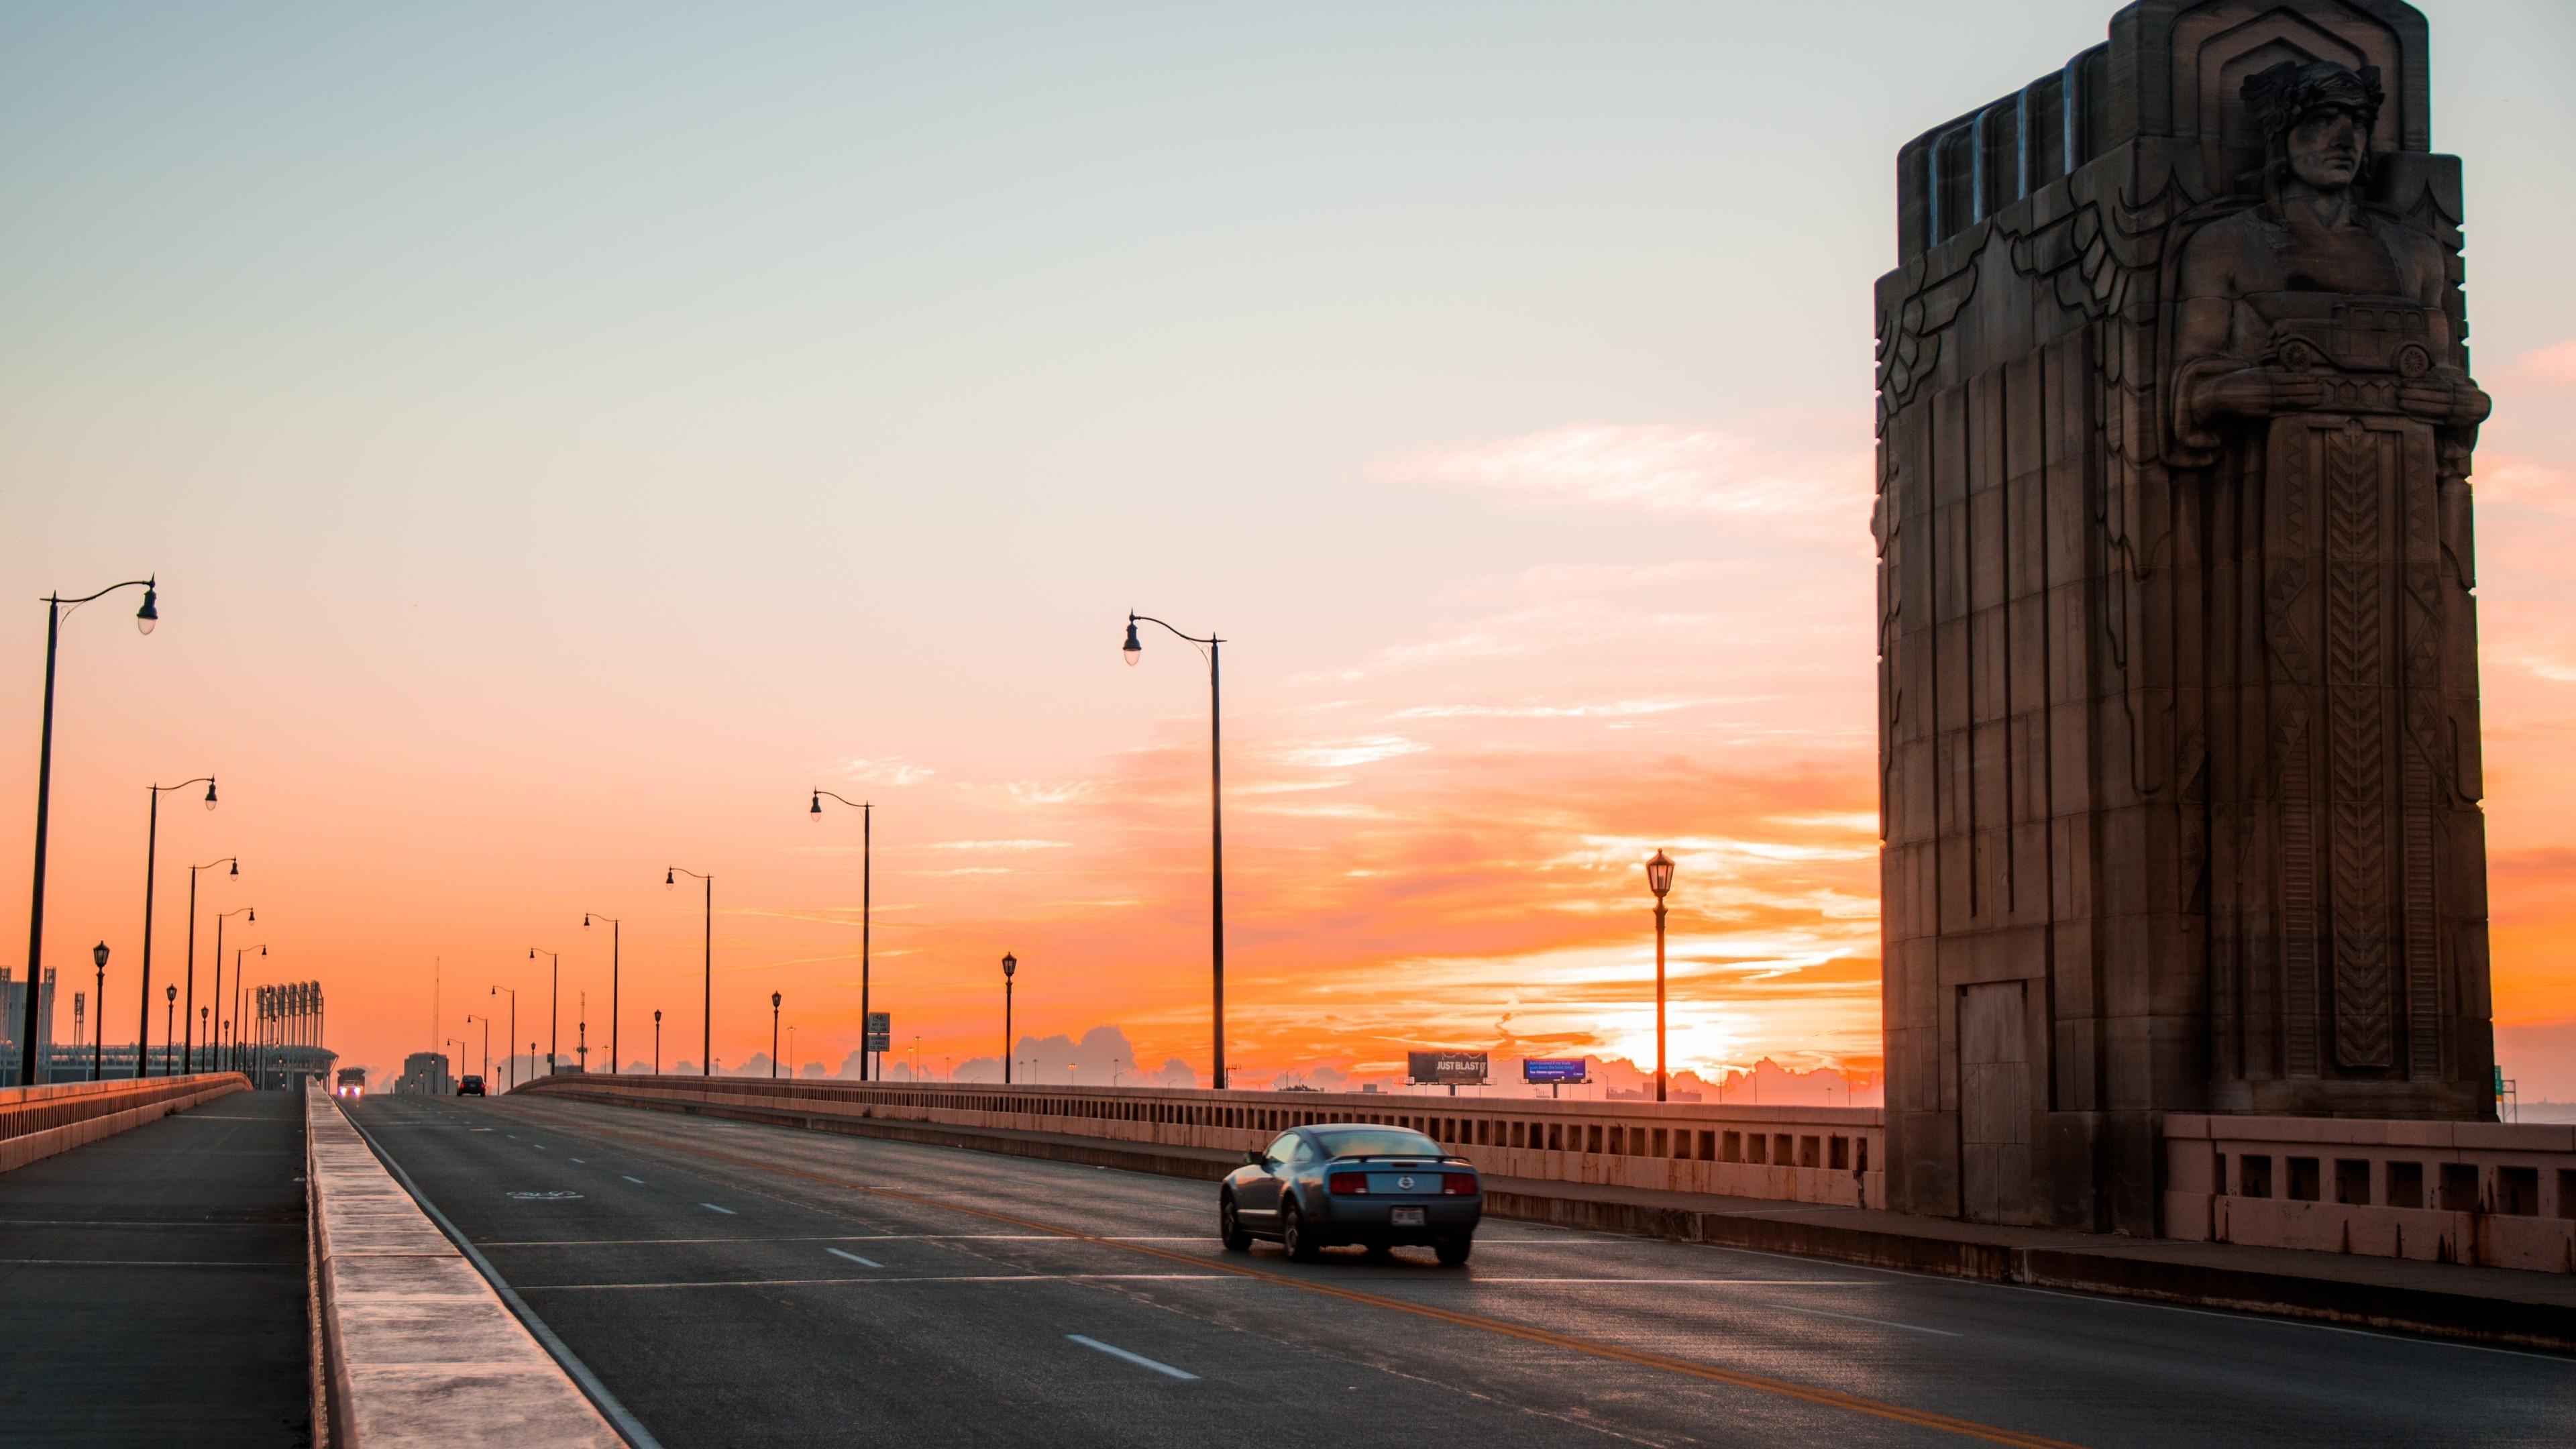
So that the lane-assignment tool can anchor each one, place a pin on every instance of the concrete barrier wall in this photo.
(37, 1122)
(416, 1347)
(1791, 1154)
(2500, 1194)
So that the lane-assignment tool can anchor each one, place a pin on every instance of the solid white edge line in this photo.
(711, 1207)
(639, 1182)
(1138, 1359)
(618, 1414)
(855, 1258)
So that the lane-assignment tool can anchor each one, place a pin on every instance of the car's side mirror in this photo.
(1255, 1157)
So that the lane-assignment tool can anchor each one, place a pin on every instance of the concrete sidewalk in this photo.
(155, 1283)
(2494, 1305)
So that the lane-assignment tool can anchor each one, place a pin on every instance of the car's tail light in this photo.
(1347, 1182)
(1457, 1184)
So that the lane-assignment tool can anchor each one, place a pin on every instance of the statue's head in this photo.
(2316, 117)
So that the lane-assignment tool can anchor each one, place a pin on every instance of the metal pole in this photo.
(151, 858)
(707, 1007)
(44, 806)
(98, 1036)
(1006, 1031)
(1216, 841)
(867, 847)
(215, 994)
(554, 1010)
(1659, 998)
(615, 928)
(190, 1017)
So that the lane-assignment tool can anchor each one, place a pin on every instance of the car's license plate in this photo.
(1404, 1217)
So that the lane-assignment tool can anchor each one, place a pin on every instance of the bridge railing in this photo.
(37, 1122)
(1795, 1154)
(2498, 1193)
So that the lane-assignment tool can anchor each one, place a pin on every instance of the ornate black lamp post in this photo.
(195, 1015)
(169, 1031)
(1010, 968)
(554, 1004)
(867, 847)
(144, 619)
(1659, 879)
(98, 1040)
(616, 929)
(707, 1020)
(151, 858)
(774, 999)
(1134, 649)
(657, 1043)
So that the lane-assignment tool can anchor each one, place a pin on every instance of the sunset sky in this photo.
(567, 436)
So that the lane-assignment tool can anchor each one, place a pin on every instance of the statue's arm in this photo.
(2216, 382)
(2445, 396)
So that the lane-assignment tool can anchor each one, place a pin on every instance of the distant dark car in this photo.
(469, 1085)
(1381, 1187)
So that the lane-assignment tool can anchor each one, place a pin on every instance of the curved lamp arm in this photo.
(853, 804)
(1134, 619)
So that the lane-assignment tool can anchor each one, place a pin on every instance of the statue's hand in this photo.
(2259, 392)
(2445, 398)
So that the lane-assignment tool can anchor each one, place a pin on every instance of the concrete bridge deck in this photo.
(737, 1283)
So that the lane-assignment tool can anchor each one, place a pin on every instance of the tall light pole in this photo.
(151, 859)
(554, 1005)
(98, 1043)
(1010, 968)
(249, 917)
(1659, 879)
(486, 1019)
(169, 1032)
(774, 999)
(707, 1009)
(144, 619)
(238, 953)
(193, 1012)
(867, 850)
(1134, 649)
(657, 1043)
(508, 1065)
(616, 929)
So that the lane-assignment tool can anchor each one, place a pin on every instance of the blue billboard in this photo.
(1558, 1072)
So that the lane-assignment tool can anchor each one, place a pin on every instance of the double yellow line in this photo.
(1760, 1383)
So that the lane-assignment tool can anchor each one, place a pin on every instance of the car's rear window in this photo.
(1376, 1142)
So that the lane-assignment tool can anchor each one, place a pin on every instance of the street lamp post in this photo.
(554, 1006)
(657, 1043)
(1659, 879)
(486, 1019)
(508, 1066)
(151, 859)
(98, 1042)
(616, 930)
(1134, 649)
(707, 1008)
(235, 862)
(1010, 968)
(144, 619)
(238, 953)
(774, 999)
(867, 850)
(169, 1030)
(249, 916)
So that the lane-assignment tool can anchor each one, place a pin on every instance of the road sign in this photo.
(1446, 1069)
(1557, 1072)
(880, 1031)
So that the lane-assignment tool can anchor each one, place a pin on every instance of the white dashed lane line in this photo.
(711, 1207)
(639, 1182)
(855, 1258)
(1138, 1359)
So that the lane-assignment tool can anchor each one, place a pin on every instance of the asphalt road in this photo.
(152, 1284)
(743, 1285)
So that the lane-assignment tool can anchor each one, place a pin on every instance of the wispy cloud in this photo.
(1657, 468)
(1001, 845)
(885, 770)
(1342, 754)
(2555, 363)
(1612, 709)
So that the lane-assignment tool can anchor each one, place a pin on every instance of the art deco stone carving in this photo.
(2179, 731)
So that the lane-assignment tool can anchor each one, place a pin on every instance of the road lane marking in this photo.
(639, 1182)
(855, 1258)
(137, 1263)
(1856, 1318)
(1685, 1282)
(1737, 1378)
(1138, 1359)
(877, 1282)
(711, 1207)
(576, 1159)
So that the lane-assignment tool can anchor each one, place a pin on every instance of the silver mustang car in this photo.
(1357, 1183)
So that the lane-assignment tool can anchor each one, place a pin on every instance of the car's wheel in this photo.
(1453, 1251)
(1229, 1227)
(1301, 1244)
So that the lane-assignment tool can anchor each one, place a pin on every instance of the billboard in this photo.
(1446, 1069)
(1557, 1072)
(880, 1031)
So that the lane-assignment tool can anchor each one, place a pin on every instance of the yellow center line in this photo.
(1806, 1393)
